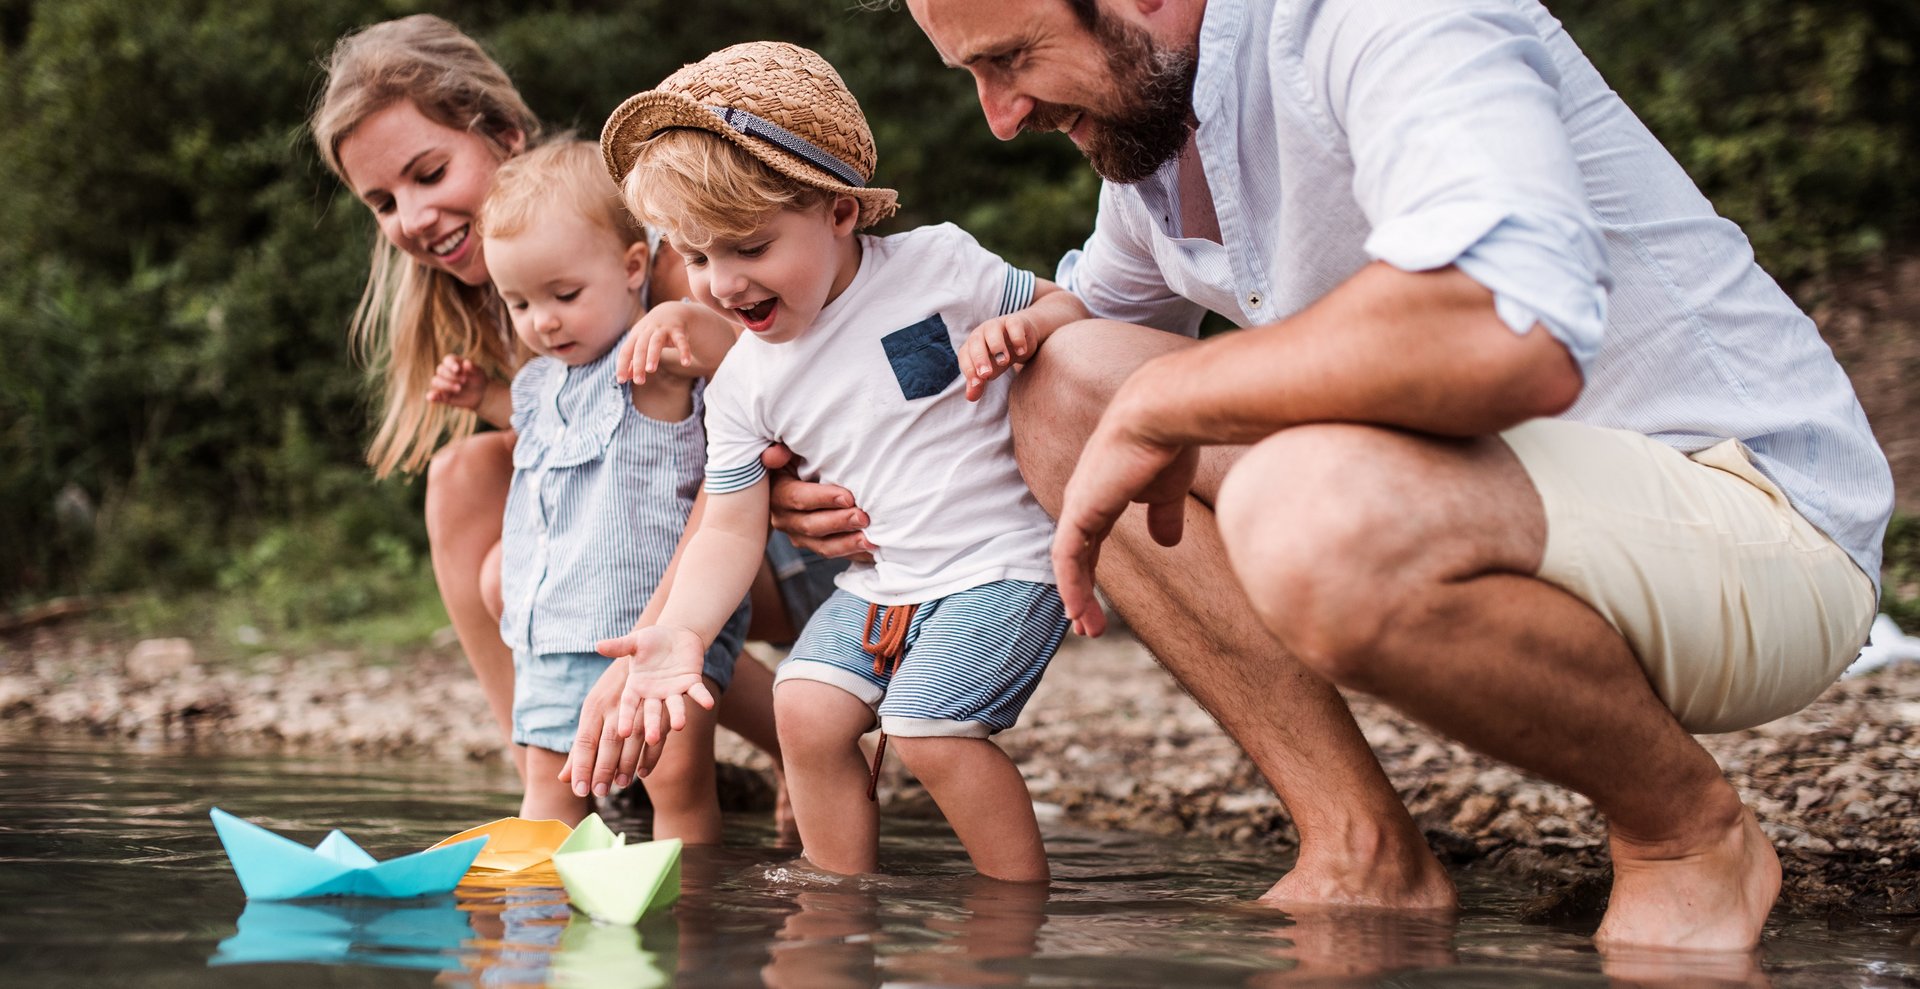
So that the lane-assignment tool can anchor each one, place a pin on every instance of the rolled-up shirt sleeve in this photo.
(1451, 111)
(1117, 277)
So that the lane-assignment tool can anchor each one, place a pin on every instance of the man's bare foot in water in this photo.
(1712, 893)
(1354, 871)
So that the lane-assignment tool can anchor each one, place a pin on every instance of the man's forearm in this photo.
(1418, 351)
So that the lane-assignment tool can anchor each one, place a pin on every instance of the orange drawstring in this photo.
(892, 644)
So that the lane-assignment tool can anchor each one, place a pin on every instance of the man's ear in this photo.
(845, 214)
(636, 261)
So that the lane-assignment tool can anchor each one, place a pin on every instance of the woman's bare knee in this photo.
(467, 489)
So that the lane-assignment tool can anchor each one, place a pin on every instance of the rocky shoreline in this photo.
(1109, 741)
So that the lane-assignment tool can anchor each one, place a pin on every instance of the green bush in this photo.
(178, 408)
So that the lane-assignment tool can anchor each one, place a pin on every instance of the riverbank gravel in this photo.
(1108, 741)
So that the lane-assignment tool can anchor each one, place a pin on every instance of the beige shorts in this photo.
(1739, 609)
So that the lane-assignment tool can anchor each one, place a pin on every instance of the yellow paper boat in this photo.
(615, 882)
(514, 843)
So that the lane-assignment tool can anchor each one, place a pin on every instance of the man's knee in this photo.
(1305, 536)
(1058, 398)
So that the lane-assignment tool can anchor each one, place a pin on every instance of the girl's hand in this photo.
(667, 325)
(457, 382)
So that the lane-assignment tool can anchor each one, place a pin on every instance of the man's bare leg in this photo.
(1400, 565)
(1358, 846)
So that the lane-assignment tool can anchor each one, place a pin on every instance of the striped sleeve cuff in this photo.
(726, 480)
(1017, 294)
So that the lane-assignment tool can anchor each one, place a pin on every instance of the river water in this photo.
(110, 874)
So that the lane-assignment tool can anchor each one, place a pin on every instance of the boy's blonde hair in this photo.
(687, 180)
(561, 174)
(410, 314)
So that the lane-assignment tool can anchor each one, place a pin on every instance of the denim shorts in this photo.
(548, 688)
(972, 658)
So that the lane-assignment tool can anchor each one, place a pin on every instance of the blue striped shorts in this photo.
(548, 688)
(972, 658)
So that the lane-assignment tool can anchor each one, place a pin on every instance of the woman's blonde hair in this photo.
(689, 180)
(410, 314)
(564, 174)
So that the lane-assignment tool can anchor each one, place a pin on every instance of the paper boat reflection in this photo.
(423, 935)
(272, 867)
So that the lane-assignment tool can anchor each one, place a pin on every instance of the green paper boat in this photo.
(594, 955)
(614, 882)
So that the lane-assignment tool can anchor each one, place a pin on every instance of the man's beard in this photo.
(1147, 124)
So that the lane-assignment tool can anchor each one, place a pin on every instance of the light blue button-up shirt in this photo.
(1475, 133)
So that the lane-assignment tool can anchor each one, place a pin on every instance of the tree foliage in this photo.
(177, 403)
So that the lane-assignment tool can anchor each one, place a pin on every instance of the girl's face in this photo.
(775, 280)
(423, 181)
(571, 287)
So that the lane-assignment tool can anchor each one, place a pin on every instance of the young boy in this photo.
(605, 474)
(755, 161)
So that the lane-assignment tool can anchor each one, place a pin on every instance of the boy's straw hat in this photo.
(781, 103)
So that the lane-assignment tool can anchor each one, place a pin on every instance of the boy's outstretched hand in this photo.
(642, 695)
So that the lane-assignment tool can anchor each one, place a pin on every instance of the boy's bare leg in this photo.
(1358, 846)
(681, 786)
(1396, 564)
(984, 798)
(466, 499)
(547, 798)
(820, 729)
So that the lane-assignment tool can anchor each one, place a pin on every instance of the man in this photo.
(1528, 446)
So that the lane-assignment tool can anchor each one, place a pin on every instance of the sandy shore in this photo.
(1109, 741)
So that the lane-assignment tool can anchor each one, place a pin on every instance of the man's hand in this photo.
(1117, 467)
(457, 382)
(817, 517)
(622, 736)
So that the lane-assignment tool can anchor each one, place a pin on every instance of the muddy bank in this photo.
(1108, 741)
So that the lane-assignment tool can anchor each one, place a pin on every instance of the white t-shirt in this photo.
(871, 398)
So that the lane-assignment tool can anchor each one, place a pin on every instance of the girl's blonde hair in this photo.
(686, 180)
(562, 174)
(410, 314)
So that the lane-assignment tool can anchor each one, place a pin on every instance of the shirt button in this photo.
(1254, 300)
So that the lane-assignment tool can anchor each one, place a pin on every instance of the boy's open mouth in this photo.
(759, 316)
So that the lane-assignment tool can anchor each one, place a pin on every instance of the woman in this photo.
(414, 119)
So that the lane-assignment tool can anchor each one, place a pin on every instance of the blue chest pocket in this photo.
(922, 358)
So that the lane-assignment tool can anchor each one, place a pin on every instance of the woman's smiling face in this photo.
(424, 182)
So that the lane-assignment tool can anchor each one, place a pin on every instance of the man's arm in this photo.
(1413, 350)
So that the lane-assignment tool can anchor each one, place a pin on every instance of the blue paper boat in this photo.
(420, 934)
(271, 867)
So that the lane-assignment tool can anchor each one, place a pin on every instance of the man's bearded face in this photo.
(1144, 126)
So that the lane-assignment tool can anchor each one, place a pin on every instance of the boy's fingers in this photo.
(701, 695)
(1017, 337)
(616, 648)
(653, 713)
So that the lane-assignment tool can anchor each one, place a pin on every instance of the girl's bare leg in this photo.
(820, 729)
(681, 786)
(984, 798)
(466, 497)
(547, 798)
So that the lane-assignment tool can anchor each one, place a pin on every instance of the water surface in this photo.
(110, 874)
